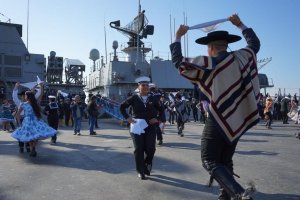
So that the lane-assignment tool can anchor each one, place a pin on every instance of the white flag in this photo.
(63, 93)
(31, 85)
(208, 26)
(38, 81)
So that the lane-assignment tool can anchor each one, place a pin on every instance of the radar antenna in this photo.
(138, 28)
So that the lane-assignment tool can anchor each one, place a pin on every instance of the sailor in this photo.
(155, 92)
(52, 112)
(229, 80)
(182, 114)
(145, 108)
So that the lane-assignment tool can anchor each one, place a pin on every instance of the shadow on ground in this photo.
(85, 157)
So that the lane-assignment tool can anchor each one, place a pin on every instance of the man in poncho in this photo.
(229, 81)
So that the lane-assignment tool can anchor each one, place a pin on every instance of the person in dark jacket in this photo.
(221, 77)
(155, 92)
(92, 109)
(52, 112)
(284, 109)
(67, 111)
(77, 108)
(145, 109)
(182, 113)
(195, 109)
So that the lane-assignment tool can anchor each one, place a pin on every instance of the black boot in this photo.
(33, 153)
(224, 195)
(225, 179)
(27, 147)
(21, 150)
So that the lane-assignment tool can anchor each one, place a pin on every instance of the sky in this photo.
(72, 28)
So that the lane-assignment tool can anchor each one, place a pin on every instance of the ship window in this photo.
(12, 72)
(12, 60)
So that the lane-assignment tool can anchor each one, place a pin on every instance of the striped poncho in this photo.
(232, 86)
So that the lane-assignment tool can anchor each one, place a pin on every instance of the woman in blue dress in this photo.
(33, 128)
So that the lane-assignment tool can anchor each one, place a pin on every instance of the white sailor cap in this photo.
(152, 85)
(142, 79)
(51, 97)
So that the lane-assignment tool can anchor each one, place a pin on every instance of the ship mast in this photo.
(137, 35)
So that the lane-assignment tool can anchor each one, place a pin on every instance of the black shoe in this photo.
(147, 169)
(142, 176)
(33, 153)
(93, 133)
(75, 133)
(21, 150)
(160, 142)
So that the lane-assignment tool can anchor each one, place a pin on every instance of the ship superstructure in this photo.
(116, 79)
(16, 63)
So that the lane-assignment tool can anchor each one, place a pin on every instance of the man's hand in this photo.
(235, 20)
(182, 30)
(17, 84)
(130, 120)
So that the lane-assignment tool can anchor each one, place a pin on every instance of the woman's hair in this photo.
(36, 108)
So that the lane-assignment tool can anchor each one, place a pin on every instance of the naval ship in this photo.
(116, 79)
(17, 64)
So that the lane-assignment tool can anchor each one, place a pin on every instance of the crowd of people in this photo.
(281, 108)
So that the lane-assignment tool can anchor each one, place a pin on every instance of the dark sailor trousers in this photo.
(144, 144)
(53, 122)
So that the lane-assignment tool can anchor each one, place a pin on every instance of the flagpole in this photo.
(184, 37)
(27, 24)
(171, 28)
(187, 39)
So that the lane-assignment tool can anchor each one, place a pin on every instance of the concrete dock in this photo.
(102, 167)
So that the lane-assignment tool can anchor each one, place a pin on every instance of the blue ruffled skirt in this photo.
(33, 129)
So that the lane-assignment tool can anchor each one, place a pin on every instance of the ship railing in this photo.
(111, 107)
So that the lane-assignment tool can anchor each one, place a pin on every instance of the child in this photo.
(33, 128)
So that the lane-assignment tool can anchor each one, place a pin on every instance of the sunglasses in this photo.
(144, 85)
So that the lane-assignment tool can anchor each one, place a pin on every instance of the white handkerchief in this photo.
(63, 93)
(208, 26)
(138, 127)
(38, 81)
(29, 85)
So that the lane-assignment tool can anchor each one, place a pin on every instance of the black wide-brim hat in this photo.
(218, 35)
